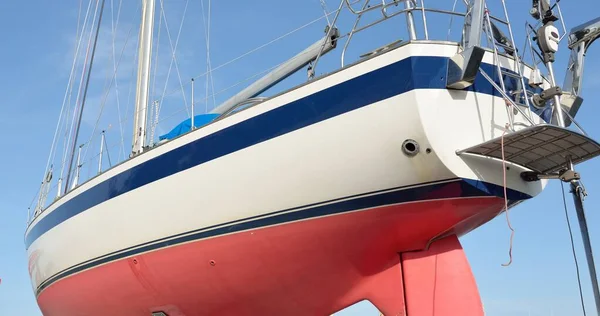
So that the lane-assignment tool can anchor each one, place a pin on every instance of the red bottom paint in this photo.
(311, 267)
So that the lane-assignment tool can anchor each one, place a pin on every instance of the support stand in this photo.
(578, 196)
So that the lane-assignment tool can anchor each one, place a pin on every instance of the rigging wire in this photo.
(77, 98)
(324, 7)
(153, 112)
(70, 128)
(208, 62)
(31, 204)
(78, 21)
(85, 92)
(173, 60)
(71, 118)
(92, 158)
(131, 83)
(173, 55)
(573, 248)
(171, 115)
(52, 154)
(69, 91)
(70, 85)
(126, 116)
(451, 20)
(214, 94)
(114, 35)
(212, 82)
(225, 89)
(108, 81)
(107, 91)
(257, 49)
(206, 43)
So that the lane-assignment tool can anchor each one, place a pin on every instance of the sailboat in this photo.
(354, 185)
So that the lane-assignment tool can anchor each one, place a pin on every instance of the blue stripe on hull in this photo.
(400, 77)
(447, 189)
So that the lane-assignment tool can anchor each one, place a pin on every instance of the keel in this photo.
(439, 281)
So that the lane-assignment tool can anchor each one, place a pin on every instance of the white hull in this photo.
(353, 153)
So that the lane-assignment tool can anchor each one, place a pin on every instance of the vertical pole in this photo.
(101, 150)
(107, 153)
(424, 19)
(78, 168)
(557, 107)
(143, 78)
(327, 38)
(576, 188)
(577, 191)
(410, 22)
(59, 188)
(193, 126)
(518, 63)
(474, 23)
(510, 110)
(154, 120)
(39, 206)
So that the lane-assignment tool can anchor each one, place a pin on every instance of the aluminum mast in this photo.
(143, 78)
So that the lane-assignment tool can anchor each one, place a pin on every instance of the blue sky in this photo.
(35, 58)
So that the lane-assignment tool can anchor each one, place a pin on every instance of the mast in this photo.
(85, 91)
(143, 78)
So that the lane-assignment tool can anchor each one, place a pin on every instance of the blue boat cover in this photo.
(184, 127)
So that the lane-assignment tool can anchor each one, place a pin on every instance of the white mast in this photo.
(143, 78)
